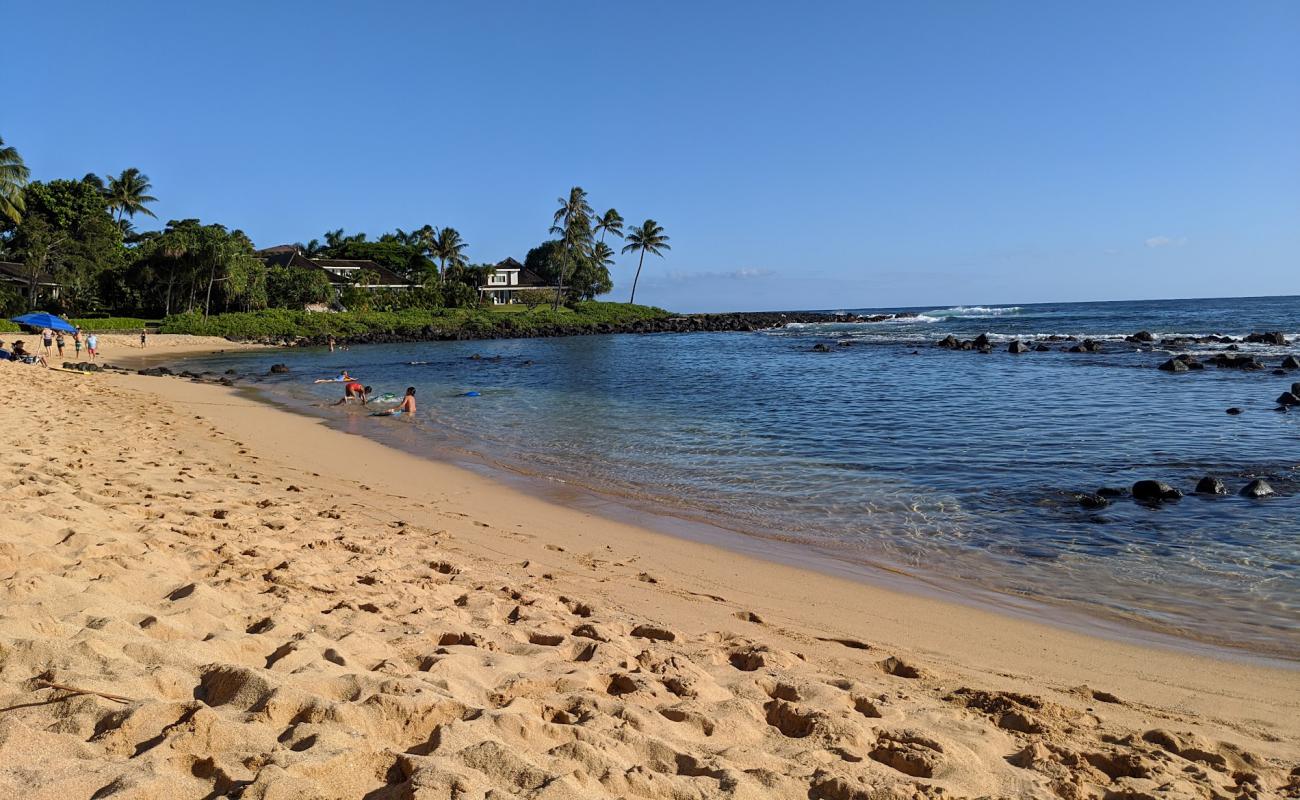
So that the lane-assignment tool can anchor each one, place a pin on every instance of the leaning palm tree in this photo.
(609, 222)
(13, 177)
(127, 193)
(573, 220)
(449, 249)
(648, 237)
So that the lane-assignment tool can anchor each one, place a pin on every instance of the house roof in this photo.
(279, 248)
(12, 272)
(292, 258)
(508, 263)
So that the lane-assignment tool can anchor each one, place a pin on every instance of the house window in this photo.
(497, 280)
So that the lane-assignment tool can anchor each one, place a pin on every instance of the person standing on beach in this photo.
(76, 341)
(92, 346)
(47, 340)
(58, 341)
(144, 335)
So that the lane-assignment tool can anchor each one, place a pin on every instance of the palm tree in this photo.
(311, 249)
(13, 177)
(448, 248)
(573, 219)
(602, 255)
(127, 193)
(334, 238)
(609, 222)
(648, 238)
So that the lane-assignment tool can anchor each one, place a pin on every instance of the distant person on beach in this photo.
(407, 406)
(355, 389)
(76, 341)
(58, 341)
(47, 340)
(144, 338)
(92, 346)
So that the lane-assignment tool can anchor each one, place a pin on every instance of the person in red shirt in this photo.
(353, 389)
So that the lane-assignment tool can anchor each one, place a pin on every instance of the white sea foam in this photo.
(973, 312)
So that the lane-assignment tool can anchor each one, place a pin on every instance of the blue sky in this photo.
(800, 155)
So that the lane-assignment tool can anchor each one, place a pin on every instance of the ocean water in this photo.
(955, 466)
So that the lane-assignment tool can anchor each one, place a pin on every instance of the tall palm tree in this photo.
(13, 177)
(334, 238)
(573, 220)
(449, 249)
(609, 222)
(648, 237)
(127, 193)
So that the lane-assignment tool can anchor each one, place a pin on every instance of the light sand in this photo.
(293, 612)
(123, 349)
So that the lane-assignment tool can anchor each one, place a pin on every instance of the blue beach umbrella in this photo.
(43, 320)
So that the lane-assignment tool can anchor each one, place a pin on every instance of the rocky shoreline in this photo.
(741, 321)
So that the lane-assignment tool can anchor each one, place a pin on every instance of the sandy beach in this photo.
(205, 596)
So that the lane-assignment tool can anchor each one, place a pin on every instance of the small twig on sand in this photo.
(75, 690)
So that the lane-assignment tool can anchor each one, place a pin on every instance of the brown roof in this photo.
(384, 275)
(14, 272)
(279, 248)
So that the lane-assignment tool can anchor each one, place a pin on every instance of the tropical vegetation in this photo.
(79, 234)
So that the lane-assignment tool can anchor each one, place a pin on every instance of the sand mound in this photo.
(272, 644)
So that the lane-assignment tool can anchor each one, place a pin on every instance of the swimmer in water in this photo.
(407, 406)
(342, 377)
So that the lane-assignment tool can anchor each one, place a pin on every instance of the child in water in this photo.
(407, 406)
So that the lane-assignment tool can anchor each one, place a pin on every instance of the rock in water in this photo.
(821, 347)
(1089, 500)
(1017, 347)
(982, 340)
(1211, 485)
(1291, 362)
(1234, 411)
(1257, 488)
(1295, 389)
(1174, 365)
(1141, 336)
(1272, 337)
(279, 369)
(1113, 491)
(1155, 491)
(1288, 399)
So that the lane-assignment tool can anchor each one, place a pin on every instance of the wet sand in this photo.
(288, 611)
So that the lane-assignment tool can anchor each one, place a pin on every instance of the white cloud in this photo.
(744, 273)
(1166, 241)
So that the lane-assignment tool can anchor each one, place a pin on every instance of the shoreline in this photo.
(806, 556)
(999, 698)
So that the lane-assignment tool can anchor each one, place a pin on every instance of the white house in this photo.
(507, 279)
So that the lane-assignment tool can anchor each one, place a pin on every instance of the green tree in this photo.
(573, 221)
(294, 287)
(67, 233)
(13, 177)
(449, 249)
(588, 277)
(609, 222)
(648, 237)
(128, 194)
(210, 259)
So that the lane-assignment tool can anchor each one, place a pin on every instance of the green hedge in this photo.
(101, 324)
(283, 323)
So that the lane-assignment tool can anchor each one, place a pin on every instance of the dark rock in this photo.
(1273, 338)
(1089, 500)
(1256, 489)
(821, 347)
(1113, 491)
(1211, 485)
(949, 342)
(1295, 388)
(1155, 491)
(155, 372)
(1234, 411)
(844, 343)
(1042, 348)
(1141, 336)
(231, 372)
(276, 369)
(982, 340)
(1291, 362)
(1017, 346)
(1279, 372)
(1174, 365)
(1288, 399)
